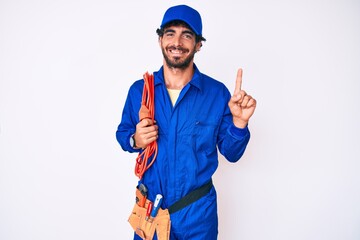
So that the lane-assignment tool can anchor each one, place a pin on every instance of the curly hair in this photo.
(160, 31)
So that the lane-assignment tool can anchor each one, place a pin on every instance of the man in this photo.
(194, 115)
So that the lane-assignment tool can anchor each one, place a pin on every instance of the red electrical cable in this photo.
(147, 110)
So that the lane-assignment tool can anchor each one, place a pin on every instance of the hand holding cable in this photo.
(146, 133)
(146, 130)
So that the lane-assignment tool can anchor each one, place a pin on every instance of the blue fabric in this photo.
(189, 134)
(186, 14)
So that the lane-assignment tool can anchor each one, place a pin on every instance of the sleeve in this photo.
(232, 141)
(130, 118)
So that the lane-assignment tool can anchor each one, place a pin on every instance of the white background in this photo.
(66, 66)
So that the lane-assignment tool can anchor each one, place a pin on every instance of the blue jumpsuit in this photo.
(189, 134)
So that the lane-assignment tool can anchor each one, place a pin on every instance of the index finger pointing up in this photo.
(238, 80)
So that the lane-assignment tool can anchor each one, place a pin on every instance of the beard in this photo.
(176, 62)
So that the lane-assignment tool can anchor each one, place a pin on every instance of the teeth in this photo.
(175, 51)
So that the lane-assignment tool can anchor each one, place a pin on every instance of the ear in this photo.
(198, 46)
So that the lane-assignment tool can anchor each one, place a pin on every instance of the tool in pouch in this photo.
(150, 218)
(146, 216)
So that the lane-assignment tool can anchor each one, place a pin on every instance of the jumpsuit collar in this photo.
(196, 80)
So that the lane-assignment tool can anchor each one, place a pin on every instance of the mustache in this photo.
(179, 48)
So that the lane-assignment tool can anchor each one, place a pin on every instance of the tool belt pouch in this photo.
(146, 228)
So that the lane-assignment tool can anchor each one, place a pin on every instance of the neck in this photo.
(176, 78)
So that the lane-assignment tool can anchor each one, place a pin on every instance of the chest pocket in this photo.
(204, 135)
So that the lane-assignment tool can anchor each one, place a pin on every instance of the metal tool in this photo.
(141, 195)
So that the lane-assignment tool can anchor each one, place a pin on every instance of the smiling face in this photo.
(178, 45)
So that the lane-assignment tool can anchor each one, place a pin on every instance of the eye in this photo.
(188, 36)
(169, 34)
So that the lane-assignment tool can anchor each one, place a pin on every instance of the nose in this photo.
(177, 41)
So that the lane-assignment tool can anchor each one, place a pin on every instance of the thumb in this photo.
(146, 122)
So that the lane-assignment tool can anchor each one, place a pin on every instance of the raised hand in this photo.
(242, 105)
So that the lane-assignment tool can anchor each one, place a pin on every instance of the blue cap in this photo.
(185, 14)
